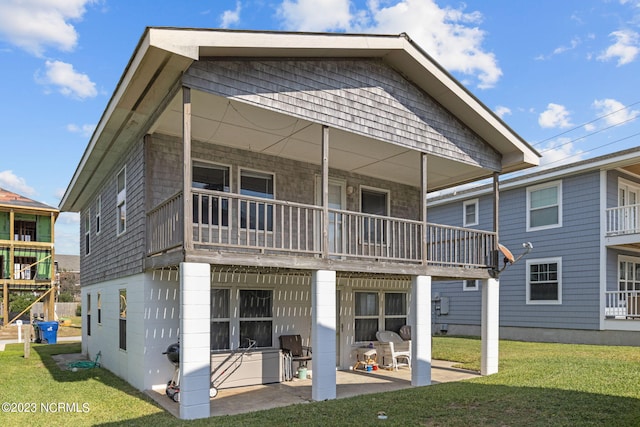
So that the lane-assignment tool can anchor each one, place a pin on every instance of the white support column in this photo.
(323, 335)
(421, 330)
(490, 325)
(195, 347)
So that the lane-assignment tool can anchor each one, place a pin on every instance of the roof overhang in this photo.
(153, 74)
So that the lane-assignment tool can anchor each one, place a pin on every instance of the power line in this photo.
(587, 123)
(588, 135)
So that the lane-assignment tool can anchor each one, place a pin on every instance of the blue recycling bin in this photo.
(48, 332)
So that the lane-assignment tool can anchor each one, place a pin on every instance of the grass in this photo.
(538, 385)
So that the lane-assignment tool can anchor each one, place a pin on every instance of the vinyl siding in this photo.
(577, 243)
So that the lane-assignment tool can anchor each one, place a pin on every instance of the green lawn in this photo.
(538, 385)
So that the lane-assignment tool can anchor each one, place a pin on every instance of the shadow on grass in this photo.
(464, 403)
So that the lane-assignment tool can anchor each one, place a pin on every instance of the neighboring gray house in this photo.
(257, 184)
(581, 282)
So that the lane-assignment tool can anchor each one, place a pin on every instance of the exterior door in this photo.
(337, 201)
(628, 199)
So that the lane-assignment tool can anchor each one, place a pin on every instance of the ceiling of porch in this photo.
(233, 123)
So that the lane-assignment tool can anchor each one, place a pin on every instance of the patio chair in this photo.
(391, 347)
(294, 351)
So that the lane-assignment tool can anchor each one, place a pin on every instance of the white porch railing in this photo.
(623, 220)
(228, 221)
(622, 304)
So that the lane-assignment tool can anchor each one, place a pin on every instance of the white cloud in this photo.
(12, 182)
(69, 81)
(614, 112)
(502, 111)
(625, 49)
(315, 15)
(84, 130)
(560, 152)
(33, 25)
(555, 116)
(231, 17)
(67, 233)
(449, 35)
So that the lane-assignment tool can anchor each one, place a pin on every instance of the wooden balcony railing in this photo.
(228, 221)
(623, 220)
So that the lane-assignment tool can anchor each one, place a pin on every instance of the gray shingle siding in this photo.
(114, 256)
(577, 243)
(294, 180)
(363, 96)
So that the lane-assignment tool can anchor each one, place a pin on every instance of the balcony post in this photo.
(186, 168)
(423, 206)
(325, 192)
(496, 218)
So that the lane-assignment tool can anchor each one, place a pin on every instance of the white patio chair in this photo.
(391, 346)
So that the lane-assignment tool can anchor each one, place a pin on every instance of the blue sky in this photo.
(562, 74)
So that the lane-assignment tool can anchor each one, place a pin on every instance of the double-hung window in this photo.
(210, 209)
(88, 314)
(256, 316)
(544, 281)
(87, 233)
(370, 314)
(470, 213)
(374, 202)
(121, 203)
(544, 206)
(98, 213)
(256, 215)
(220, 319)
(395, 311)
(122, 324)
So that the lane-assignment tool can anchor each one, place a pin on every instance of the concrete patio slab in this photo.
(233, 401)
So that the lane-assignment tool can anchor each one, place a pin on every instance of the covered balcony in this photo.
(232, 228)
(623, 225)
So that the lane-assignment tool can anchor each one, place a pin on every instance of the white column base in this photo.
(421, 331)
(323, 334)
(490, 325)
(195, 347)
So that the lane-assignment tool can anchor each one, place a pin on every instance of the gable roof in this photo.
(628, 160)
(12, 200)
(164, 54)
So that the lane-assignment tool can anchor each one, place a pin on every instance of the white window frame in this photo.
(214, 165)
(476, 204)
(98, 214)
(383, 238)
(232, 305)
(235, 306)
(558, 185)
(248, 218)
(530, 262)
(381, 315)
(475, 287)
(121, 203)
(87, 232)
